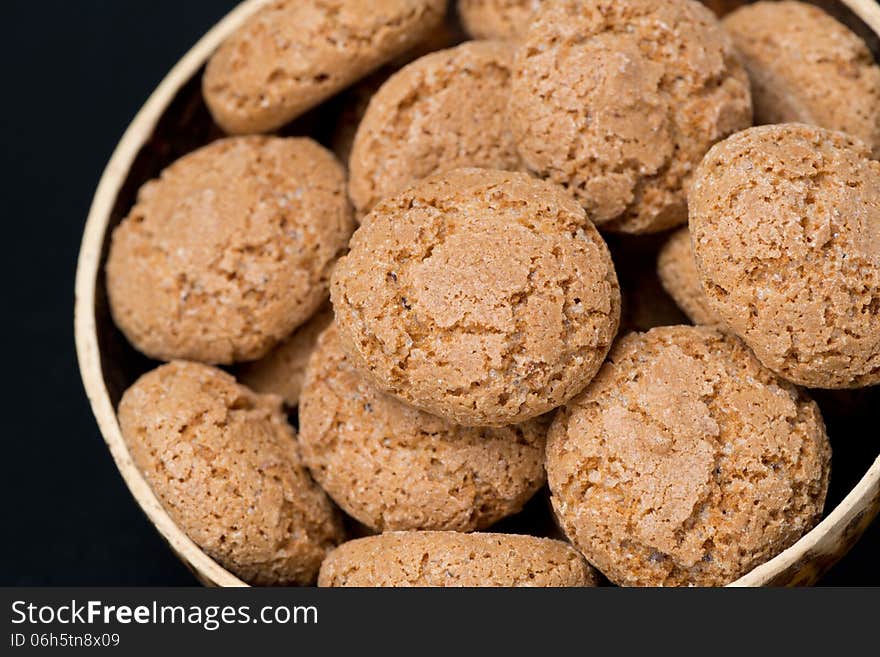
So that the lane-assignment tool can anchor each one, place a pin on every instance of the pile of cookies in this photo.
(432, 303)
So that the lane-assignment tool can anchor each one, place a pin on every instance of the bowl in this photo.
(174, 121)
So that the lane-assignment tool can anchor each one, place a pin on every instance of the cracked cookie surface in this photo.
(484, 297)
(807, 67)
(785, 224)
(225, 465)
(293, 54)
(229, 250)
(618, 101)
(678, 274)
(393, 467)
(444, 111)
(399, 559)
(685, 462)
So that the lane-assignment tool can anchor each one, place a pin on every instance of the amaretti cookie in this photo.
(393, 467)
(282, 370)
(224, 463)
(293, 54)
(678, 273)
(485, 297)
(399, 559)
(229, 250)
(619, 101)
(785, 225)
(686, 462)
(443, 111)
(807, 67)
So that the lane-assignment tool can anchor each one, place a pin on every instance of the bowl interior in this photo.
(185, 125)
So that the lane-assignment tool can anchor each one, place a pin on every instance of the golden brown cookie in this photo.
(393, 467)
(281, 371)
(678, 273)
(619, 101)
(685, 462)
(229, 250)
(806, 67)
(785, 224)
(224, 463)
(444, 111)
(485, 297)
(293, 54)
(399, 559)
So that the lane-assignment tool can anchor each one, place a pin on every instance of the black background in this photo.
(75, 73)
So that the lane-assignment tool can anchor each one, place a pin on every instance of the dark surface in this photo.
(76, 73)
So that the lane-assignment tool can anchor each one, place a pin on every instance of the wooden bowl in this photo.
(174, 121)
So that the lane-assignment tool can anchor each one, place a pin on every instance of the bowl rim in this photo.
(827, 537)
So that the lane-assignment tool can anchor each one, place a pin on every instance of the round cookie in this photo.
(785, 224)
(678, 273)
(229, 250)
(282, 370)
(444, 111)
(293, 54)
(224, 464)
(400, 559)
(484, 297)
(806, 67)
(619, 101)
(685, 462)
(393, 467)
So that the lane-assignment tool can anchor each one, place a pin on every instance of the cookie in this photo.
(393, 467)
(281, 371)
(485, 297)
(444, 111)
(510, 19)
(678, 273)
(224, 464)
(619, 101)
(685, 462)
(785, 225)
(400, 559)
(293, 54)
(229, 250)
(806, 67)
